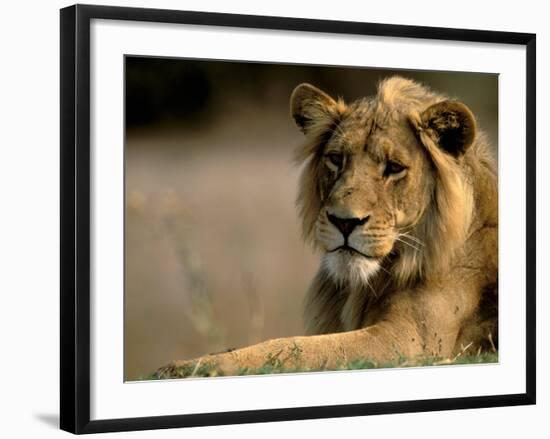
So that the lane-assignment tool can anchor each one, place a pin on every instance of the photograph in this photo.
(277, 219)
(299, 218)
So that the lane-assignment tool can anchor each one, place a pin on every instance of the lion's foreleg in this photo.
(379, 343)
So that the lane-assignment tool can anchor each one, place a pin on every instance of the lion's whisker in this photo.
(371, 288)
(397, 238)
(384, 269)
(412, 238)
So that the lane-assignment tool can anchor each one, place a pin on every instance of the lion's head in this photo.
(382, 187)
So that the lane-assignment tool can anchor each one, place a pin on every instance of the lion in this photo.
(398, 192)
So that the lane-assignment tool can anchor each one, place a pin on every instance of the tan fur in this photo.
(417, 274)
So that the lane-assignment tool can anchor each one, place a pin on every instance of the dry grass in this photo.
(214, 256)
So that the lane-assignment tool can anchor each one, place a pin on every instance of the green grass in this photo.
(209, 370)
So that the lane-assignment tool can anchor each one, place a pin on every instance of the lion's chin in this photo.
(350, 268)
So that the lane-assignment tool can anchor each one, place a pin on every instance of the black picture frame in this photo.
(75, 217)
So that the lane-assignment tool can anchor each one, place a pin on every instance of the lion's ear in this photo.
(312, 109)
(451, 125)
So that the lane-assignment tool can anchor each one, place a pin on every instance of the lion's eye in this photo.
(335, 158)
(393, 168)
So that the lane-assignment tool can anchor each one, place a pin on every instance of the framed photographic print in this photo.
(268, 218)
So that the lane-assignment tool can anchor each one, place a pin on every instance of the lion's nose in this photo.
(346, 225)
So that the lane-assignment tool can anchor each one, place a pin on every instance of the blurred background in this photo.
(213, 253)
